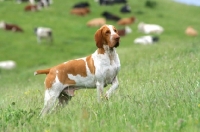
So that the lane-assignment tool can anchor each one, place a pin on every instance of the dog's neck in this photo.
(106, 49)
(111, 52)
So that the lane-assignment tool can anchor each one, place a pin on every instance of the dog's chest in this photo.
(107, 68)
(110, 73)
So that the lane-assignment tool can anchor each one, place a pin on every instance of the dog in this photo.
(43, 32)
(10, 27)
(94, 71)
(146, 40)
(150, 28)
(96, 22)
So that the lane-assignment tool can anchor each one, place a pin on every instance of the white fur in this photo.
(111, 31)
(150, 28)
(51, 95)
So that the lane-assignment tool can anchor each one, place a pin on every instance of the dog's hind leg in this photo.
(49, 101)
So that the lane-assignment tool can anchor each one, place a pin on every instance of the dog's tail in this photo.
(45, 71)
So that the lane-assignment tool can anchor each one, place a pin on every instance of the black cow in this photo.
(110, 16)
(125, 9)
(111, 2)
(81, 5)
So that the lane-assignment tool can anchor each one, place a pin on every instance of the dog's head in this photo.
(107, 35)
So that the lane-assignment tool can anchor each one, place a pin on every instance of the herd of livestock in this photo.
(82, 9)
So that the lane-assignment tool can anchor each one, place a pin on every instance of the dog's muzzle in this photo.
(117, 44)
(117, 39)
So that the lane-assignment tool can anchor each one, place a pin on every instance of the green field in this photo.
(159, 84)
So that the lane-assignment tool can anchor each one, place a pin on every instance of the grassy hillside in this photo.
(159, 84)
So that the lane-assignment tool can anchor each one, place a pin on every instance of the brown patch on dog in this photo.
(106, 35)
(50, 78)
(102, 36)
(90, 63)
(74, 67)
(99, 38)
(101, 51)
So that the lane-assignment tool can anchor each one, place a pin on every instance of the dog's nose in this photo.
(117, 37)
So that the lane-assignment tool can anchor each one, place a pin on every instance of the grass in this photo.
(159, 84)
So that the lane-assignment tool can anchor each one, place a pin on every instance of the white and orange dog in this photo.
(94, 71)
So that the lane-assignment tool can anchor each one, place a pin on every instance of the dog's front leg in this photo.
(114, 86)
(99, 90)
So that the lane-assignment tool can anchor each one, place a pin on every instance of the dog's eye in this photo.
(108, 32)
(115, 30)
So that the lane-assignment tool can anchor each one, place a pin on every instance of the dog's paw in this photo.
(106, 97)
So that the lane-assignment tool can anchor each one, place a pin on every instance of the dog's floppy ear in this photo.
(98, 38)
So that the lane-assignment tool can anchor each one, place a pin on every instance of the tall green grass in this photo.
(159, 84)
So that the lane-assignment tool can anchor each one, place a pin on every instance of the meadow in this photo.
(159, 84)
